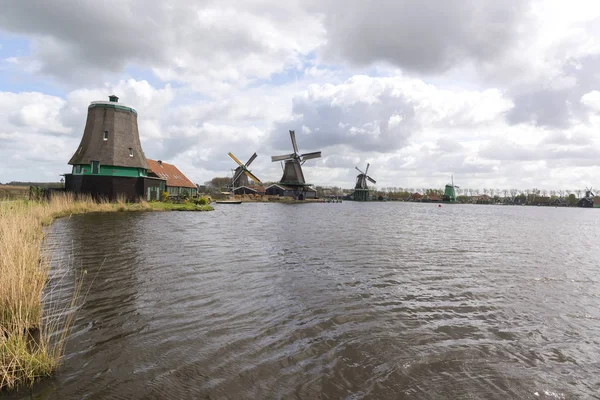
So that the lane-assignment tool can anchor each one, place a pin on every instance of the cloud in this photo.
(428, 36)
(184, 41)
(382, 114)
(494, 93)
(591, 100)
(28, 113)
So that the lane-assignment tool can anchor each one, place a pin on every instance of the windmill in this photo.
(242, 173)
(361, 190)
(292, 182)
(450, 192)
(588, 200)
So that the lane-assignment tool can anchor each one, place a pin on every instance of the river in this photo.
(331, 301)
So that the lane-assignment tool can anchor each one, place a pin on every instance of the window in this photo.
(95, 167)
(105, 135)
(130, 152)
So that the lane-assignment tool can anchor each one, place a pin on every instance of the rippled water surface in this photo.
(333, 301)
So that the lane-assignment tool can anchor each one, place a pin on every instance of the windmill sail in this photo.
(242, 173)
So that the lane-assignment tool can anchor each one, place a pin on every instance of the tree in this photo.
(220, 182)
(571, 199)
(578, 191)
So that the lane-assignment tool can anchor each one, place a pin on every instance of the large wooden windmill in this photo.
(292, 182)
(242, 173)
(361, 190)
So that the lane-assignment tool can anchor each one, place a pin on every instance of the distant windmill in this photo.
(450, 192)
(588, 200)
(361, 190)
(292, 182)
(242, 173)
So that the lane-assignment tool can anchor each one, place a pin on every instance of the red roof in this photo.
(174, 176)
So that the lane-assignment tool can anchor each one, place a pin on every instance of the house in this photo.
(255, 190)
(483, 199)
(176, 182)
(297, 192)
(109, 162)
(541, 201)
(433, 198)
(416, 196)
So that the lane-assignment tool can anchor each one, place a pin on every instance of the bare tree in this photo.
(544, 192)
(485, 191)
(578, 193)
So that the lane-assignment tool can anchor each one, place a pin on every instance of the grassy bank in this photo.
(30, 349)
(8, 192)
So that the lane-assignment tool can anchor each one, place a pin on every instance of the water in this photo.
(333, 301)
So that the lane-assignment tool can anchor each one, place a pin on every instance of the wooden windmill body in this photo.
(361, 189)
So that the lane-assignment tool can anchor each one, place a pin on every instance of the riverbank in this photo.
(30, 349)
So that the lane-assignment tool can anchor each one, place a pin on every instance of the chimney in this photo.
(112, 98)
(159, 162)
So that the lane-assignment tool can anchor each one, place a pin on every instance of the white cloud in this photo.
(592, 100)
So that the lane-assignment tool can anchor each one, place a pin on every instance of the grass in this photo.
(32, 337)
(9, 192)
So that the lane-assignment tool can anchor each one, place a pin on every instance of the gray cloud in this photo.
(87, 41)
(426, 36)
(383, 126)
(549, 104)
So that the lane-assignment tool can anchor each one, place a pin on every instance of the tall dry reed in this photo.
(31, 346)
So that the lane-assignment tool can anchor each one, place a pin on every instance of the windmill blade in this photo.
(282, 158)
(367, 170)
(293, 137)
(250, 160)
(359, 170)
(234, 158)
(254, 178)
(371, 179)
(308, 156)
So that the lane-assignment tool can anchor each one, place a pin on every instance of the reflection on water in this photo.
(351, 300)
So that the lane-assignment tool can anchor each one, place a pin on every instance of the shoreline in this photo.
(28, 349)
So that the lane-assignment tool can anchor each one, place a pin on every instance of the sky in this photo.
(499, 94)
